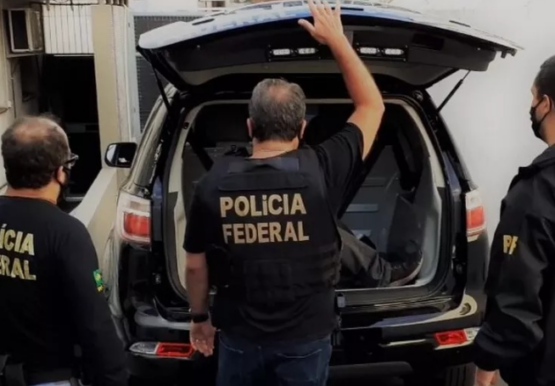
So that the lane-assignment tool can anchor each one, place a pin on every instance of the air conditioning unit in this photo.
(25, 29)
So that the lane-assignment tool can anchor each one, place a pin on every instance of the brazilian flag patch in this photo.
(98, 280)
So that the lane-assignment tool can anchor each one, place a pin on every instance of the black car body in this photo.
(414, 175)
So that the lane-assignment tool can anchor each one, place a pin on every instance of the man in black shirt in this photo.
(51, 290)
(268, 222)
(517, 336)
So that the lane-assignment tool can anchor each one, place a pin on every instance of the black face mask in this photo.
(536, 124)
(63, 187)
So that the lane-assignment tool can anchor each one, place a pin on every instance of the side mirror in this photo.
(120, 154)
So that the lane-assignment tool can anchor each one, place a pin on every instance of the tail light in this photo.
(456, 337)
(163, 350)
(475, 216)
(133, 219)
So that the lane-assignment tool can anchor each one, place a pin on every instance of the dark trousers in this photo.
(241, 363)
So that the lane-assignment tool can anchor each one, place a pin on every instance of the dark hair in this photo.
(32, 149)
(545, 80)
(277, 109)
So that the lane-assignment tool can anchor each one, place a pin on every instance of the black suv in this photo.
(414, 182)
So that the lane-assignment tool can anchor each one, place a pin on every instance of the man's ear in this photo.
(545, 105)
(249, 127)
(61, 176)
(303, 127)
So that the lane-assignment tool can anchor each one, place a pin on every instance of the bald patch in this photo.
(279, 93)
(33, 129)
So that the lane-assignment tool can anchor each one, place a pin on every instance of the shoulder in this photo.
(346, 141)
(210, 180)
(542, 200)
(349, 131)
(68, 226)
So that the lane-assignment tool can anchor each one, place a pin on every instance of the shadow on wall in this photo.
(489, 115)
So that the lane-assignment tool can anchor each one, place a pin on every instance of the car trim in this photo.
(468, 307)
(239, 19)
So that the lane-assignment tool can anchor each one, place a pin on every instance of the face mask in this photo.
(536, 124)
(63, 187)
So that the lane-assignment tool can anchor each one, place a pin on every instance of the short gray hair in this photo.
(277, 109)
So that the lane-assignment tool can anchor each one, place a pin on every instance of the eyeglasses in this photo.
(70, 163)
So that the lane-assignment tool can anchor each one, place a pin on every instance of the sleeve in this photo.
(341, 159)
(195, 231)
(519, 258)
(103, 351)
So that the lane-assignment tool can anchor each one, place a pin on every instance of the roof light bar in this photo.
(393, 52)
(382, 52)
(282, 52)
(369, 50)
(306, 51)
(291, 53)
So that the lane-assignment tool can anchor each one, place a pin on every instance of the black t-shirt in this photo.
(51, 293)
(309, 318)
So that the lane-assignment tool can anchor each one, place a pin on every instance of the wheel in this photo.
(452, 376)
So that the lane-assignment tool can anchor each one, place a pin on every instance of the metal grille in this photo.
(67, 29)
(148, 90)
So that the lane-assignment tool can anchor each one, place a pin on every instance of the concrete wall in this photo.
(6, 115)
(18, 81)
(113, 56)
(7, 102)
(489, 114)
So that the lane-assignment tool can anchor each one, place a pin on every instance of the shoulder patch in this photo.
(97, 275)
(509, 244)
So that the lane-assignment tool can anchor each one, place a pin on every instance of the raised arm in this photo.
(367, 99)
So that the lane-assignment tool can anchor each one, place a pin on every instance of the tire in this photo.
(452, 376)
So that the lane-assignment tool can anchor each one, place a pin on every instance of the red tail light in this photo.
(175, 350)
(134, 219)
(475, 216)
(183, 351)
(450, 338)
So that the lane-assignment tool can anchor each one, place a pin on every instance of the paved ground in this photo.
(385, 382)
(390, 382)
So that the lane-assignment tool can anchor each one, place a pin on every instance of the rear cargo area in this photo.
(396, 200)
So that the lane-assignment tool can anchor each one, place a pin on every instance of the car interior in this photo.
(396, 197)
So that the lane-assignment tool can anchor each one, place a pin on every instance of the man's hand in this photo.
(202, 337)
(327, 28)
(485, 378)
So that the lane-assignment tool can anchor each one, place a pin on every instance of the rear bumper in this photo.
(412, 361)
(394, 347)
(199, 371)
(417, 359)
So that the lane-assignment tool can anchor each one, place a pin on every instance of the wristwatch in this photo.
(200, 318)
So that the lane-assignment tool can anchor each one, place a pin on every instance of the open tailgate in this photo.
(410, 46)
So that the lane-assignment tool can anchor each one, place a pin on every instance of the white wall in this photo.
(6, 117)
(489, 115)
(153, 6)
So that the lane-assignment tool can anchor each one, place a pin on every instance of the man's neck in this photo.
(548, 130)
(269, 149)
(45, 194)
